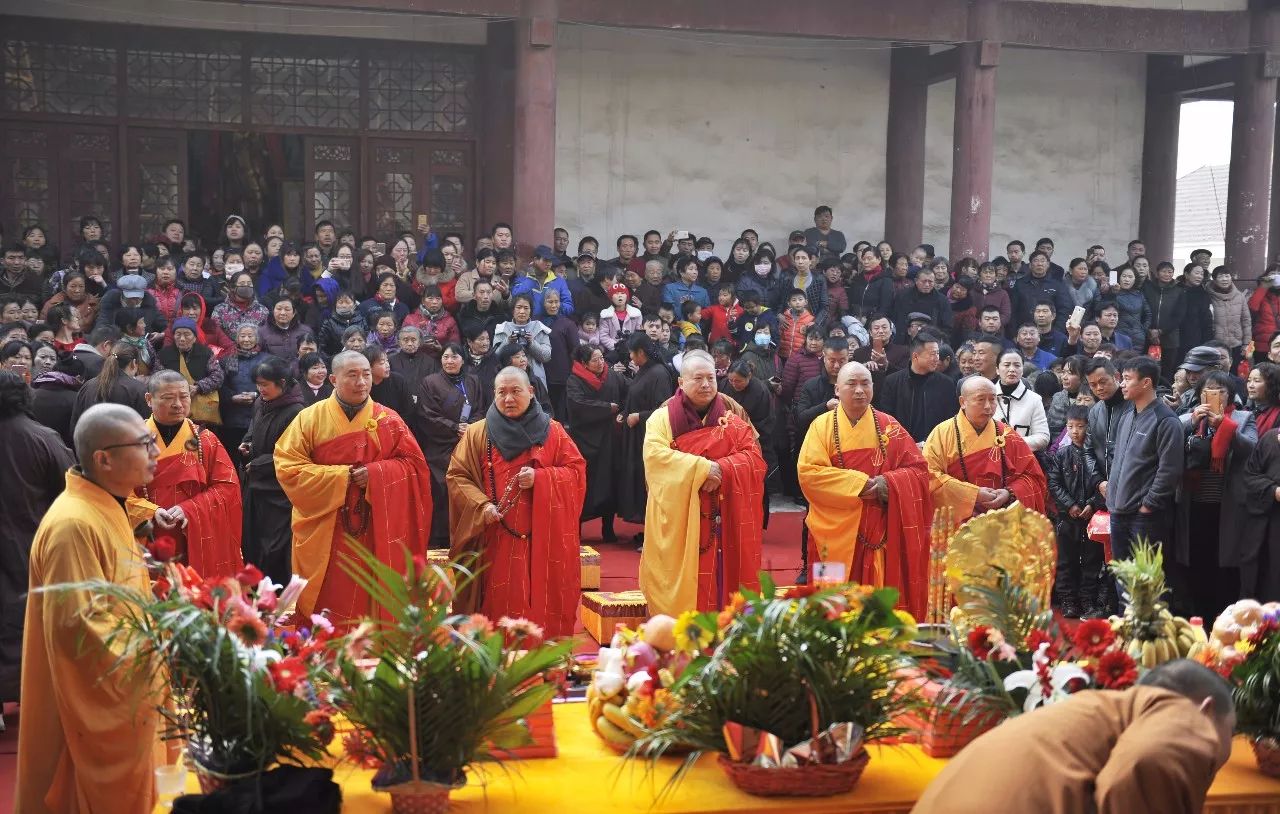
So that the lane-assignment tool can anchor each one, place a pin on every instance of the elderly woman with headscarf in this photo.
(199, 367)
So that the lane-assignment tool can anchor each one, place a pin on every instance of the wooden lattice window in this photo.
(432, 92)
(47, 77)
(90, 180)
(293, 91)
(185, 86)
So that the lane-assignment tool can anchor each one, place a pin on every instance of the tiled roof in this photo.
(1202, 206)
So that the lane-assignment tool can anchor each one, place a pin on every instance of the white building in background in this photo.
(1201, 219)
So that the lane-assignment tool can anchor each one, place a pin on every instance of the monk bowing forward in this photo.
(705, 513)
(868, 492)
(516, 483)
(354, 474)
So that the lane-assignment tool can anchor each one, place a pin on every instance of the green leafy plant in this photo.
(762, 661)
(242, 691)
(452, 689)
(1256, 683)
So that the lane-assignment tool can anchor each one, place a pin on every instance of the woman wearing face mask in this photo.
(241, 306)
(763, 279)
(1018, 406)
(451, 399)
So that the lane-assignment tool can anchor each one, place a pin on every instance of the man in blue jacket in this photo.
(539, 279)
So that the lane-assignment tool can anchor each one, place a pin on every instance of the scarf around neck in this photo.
(593, 381)
(513, 436)
(684, 417)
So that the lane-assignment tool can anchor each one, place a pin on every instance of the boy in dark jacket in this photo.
(1073, 482)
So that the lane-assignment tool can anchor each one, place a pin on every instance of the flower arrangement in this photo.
(242, 689)
(1254, 664)
(431, 692)
(1015, 658)
(785, 683)
(1233, 635)
(630, 693)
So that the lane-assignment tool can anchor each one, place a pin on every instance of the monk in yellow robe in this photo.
(193, 503)
(1152, 748)
(868, 490)
(516, 484)
(354, 473)
(979, 463)
(88, 733)
(705, 512)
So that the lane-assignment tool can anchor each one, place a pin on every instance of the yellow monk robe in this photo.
(313, 459)
(197, 475)
(962, 460)
(88, 733)
(688, 563)
(879, 544)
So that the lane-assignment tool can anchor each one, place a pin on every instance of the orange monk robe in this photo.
(203, 482)
(996, 458)
(538, 577)
(879, 544)
(313, 459)
(88, 732)
(1145, 749)
(687, 563)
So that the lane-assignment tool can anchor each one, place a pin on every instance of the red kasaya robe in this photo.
(691, 561)
(538, 574)
(879, 544)
(313, 461)
(202, 481)
(962, 460)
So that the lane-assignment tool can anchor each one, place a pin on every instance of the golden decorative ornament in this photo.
(1015, 539)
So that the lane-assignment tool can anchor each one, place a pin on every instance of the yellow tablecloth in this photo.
(588, 777)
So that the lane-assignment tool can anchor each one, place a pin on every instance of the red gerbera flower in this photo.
(1038, 637)
(286, 673)
(163, 549)
(249, 576)
(800, 591)
(1094, 637)
(161, 588)
(319, 720)
(979, 641)
(1115, 670)
(248, 627)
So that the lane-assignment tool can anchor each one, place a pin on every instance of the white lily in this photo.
(1059, 677)
(290, 596)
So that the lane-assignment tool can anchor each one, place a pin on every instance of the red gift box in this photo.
(940, 732)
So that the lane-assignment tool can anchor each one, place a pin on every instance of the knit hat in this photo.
(185, 322)
(619, 287)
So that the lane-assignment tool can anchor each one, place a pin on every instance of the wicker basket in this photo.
(419, 797)
(1267, 753)
(813, 780)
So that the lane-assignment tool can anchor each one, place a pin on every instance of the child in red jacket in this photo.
(721, 320)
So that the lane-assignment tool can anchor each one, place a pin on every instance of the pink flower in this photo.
(358, 641)
(475, 623)
(320, 623)
(1004, 652)
(521, 628)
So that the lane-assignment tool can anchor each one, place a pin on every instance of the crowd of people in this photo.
(1135, 389)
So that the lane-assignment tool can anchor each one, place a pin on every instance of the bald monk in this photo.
(354, 474)
(979, 463)
(1152, 748)
(88, 731)
(516, 483)
(868, 490)
(705, 512)
(193, 503)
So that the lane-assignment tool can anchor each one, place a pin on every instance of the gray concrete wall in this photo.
(711, 133)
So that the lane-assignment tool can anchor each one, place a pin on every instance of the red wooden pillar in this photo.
(495, 168)
(533, 190)
(973, 149)
(1253, 128)
(904, 150)
(1160, 158)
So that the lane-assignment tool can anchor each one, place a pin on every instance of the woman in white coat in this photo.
(1018, 405)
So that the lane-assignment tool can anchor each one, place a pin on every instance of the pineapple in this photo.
(1151, 634)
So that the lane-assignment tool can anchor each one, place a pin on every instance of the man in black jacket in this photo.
(1104, 415)
(589, 287)
(918, 396)
(922, 297)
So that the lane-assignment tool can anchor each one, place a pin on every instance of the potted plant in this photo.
(788, 689)
(431, 692)
(1256, 687)
(242, 690)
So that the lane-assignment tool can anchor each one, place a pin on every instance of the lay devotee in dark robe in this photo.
(193, 502)
(89, 733)
(1152, 748)
(451, 398)
(268, 531)
(649, 388)
(705, 513)
(516, 483)
(979, 463)
(33, 461)
(1258, 549)
(869, 493)
(354, 474)
(594, 396)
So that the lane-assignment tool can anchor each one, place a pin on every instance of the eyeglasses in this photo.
(152, 440)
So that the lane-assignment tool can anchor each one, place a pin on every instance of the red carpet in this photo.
(619, 564)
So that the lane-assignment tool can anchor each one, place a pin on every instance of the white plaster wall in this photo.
(711, 133)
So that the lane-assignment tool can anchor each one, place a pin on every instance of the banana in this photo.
(612, 733)
(1148, 654)
(628, 725)
(1196, 649)
(1134, 649)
